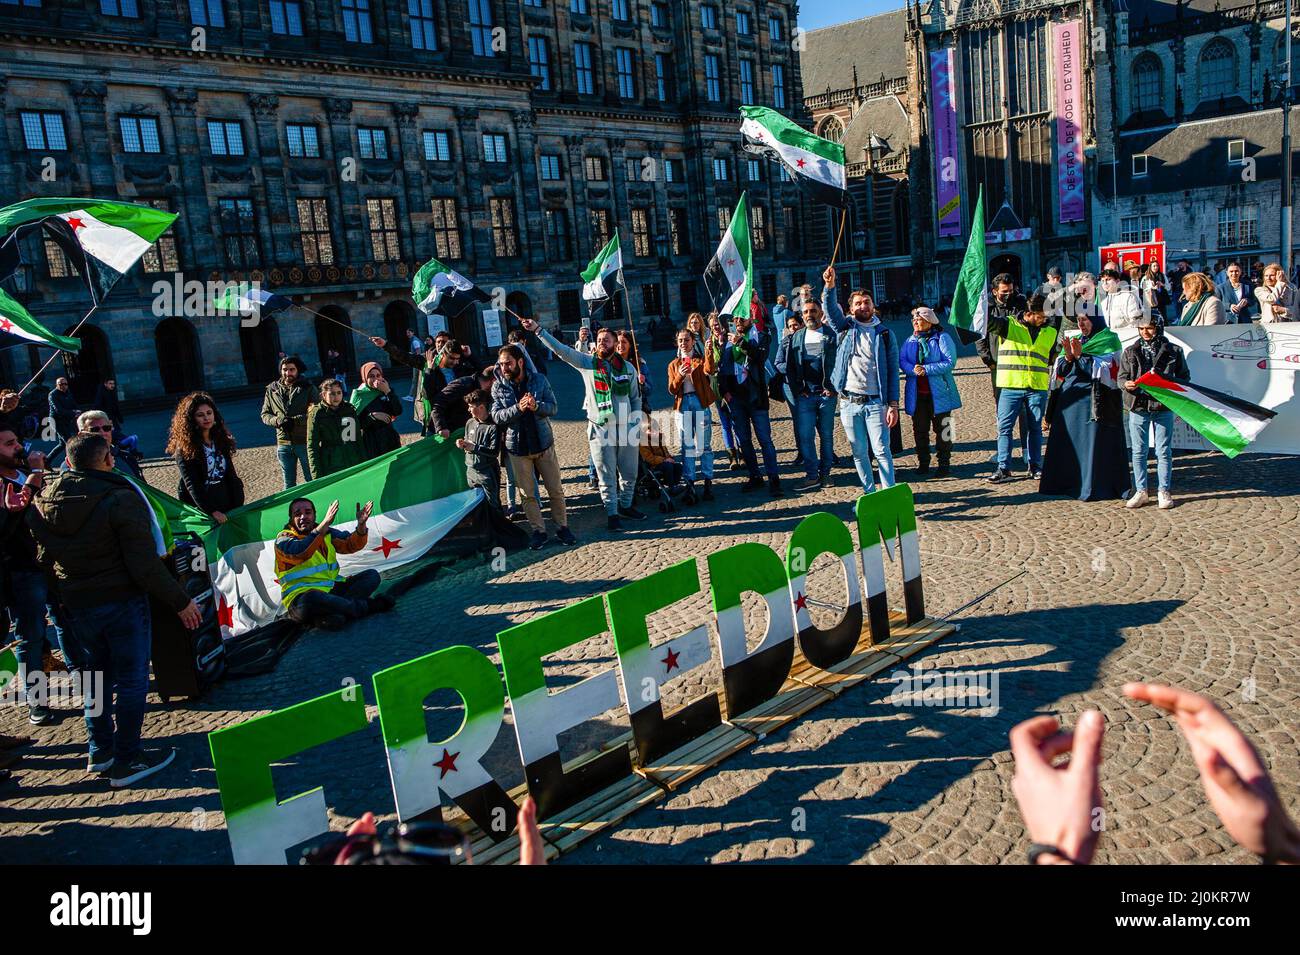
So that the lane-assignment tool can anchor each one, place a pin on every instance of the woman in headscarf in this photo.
(1203, 305)
(1085, 446)
(377, 408)
(930, 396)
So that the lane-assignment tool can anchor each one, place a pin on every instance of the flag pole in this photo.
(355, 331)
(55, 354)
(627, 313)
(844, 214)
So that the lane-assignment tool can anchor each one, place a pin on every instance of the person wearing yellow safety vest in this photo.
(307, 568)
(1022, 378)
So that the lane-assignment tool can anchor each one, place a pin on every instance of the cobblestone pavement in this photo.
(1200, 596)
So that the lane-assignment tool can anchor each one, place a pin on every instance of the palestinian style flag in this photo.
(1228, 423)
(607, 265)
(246, 299)
(102, 239)
(437, 288)
(816, 164)
(419, 494)
(17, 321)
(734, 263)
(970, 299)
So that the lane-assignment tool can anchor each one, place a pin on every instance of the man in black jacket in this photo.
(1151, 352)
(94, 535)
(742, 381)
(450, 413)
(1005, 303)
(63, 408)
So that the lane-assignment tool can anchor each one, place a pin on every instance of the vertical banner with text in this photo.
(1069, 107)
(947, 181)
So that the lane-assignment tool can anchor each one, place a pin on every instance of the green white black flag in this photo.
(601, 275)
(437, 288)
(734, 262)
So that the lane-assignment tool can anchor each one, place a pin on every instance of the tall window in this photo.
(709, 17)
(744, 27)
(161, 256)
(225, 139)
(139, 134)
(793, 235)
(1148, 82)
(505, 240)
(758, 227)
(724, 220)
(624, 67)
(446, 229)
(437, 145)
(314, 232)
(286, 17)
(774, 28)
(582, 68)
(721, 169)
(1217, 70)
(424, 29)
(303, 141)
(753, 170)
(622, 10)
(832, 129)
(558, 238)
(1137, 228)
(579, 6)
(207, 13)
(674, 171)
(1239, 227)
(119, 8)
(550, 168)
(480, 27)
(600, 231)
(679, 233)
(640, 231)
(382, 215)
(494, 147)
(57, 265)
(239, 233)
(372, 142)
(747, 82)
(593, 168)
(663, 69)
(539, 61)
(659, 15)
(712, 86)
(778, 86)
(356, 21)
(43, 131)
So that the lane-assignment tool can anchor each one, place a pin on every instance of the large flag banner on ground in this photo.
(17, 321)
(816, 164)
(102, 239)
(419, 494)
(1228, 423)
(437, 288)
(970, 299)
(603, 269)
(734, 262)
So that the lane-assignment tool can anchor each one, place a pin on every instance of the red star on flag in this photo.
(225, 614)
(387, 546)
(6, 325)
(801, 602)
(75, 223)
(731, 261)
(670, 661)
(448, 763)
(800, 163)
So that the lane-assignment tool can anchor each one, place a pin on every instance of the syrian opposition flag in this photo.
(419, 494)
(734, 264)
(437, 288)
(970, 299)
(246, 299)
(601, 274)
(816, 164)
(1228, 423)
(102, 239)
(17, 321)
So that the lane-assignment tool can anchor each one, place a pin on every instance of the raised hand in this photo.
(529, 325)
(377, 341)
(363, 514)
(829, 276)
(1059, 803)
(331, 513)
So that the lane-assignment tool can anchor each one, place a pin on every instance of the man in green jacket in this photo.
(95, 538)
(284, 408)
(334, 440)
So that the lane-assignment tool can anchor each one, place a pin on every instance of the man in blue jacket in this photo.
(865, 376)
(806, 358)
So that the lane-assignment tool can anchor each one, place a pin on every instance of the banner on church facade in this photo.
(1069, 111)
(943, 108)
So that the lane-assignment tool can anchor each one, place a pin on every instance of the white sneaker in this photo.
(1166, 500)
(1139, 499)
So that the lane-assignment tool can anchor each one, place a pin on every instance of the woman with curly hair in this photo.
(204, 452)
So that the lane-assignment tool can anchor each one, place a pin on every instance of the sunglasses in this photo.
(107, 428)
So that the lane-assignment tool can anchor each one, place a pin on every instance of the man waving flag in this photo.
(734, 262)
(816, 164)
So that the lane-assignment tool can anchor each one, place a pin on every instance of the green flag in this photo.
(437, 288)
(970, 299)
(734, 262)
(1105, 342)
(16, 320)
(606, 265)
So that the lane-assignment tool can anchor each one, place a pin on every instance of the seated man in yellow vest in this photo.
(307, 566)
(1022, 377)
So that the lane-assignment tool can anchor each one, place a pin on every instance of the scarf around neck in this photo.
(610, 379)
(1193, 309)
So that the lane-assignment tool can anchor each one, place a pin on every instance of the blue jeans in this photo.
(815, 414)
(289, 456)
(749, 422)
(726, 427)
(113, 639)
(696, 425)
(29, 606)
(1139, 440)
(864, 425)
(1027, 406)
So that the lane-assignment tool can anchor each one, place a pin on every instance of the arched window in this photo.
(177, 346)
(88, 368)
(1217, 70)
(1148, 83)
(832, 129)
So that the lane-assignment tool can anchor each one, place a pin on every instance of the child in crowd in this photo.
(654, 454)
(482, 447)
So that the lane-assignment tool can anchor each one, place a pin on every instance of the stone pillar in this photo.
(277, 227)
(412, 183)
(531, 229)
(477, 242)
(199, 252)
(95, 153)
(349, 226)
(581, 224)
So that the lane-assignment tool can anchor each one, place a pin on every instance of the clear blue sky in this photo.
(814, 14)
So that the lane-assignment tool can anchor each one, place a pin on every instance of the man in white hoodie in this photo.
(1119, 303)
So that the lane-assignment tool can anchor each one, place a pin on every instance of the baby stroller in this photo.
(651, 487)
